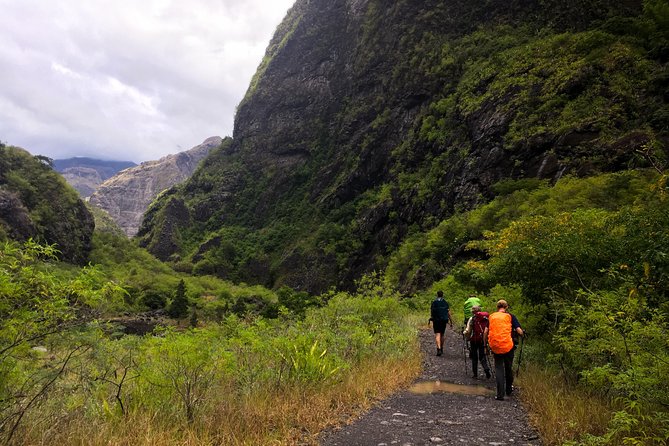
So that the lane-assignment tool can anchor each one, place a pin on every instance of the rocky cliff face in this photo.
(368, 120)
(86, 174)
(84, 179)
(128, 194)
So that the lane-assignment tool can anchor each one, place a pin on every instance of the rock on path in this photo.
(440, 418)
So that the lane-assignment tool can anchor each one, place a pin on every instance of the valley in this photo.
(271, 286)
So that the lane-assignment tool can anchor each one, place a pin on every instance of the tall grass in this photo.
(266, 382)
(560, 411)
(294, 415)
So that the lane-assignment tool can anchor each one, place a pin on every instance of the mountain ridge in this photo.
(366, 123)
(86, 174)
(126, 195)
(36, 203)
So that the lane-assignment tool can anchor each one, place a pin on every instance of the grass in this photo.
(289, 416)
(561, 411)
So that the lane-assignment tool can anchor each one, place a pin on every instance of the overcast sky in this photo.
(127, 79)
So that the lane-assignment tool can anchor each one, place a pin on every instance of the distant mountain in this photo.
(127, 195)
(86, 174)
(35, 202)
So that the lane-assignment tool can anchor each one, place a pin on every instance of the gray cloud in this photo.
(127, 79)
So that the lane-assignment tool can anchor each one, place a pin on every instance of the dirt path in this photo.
(440, 416)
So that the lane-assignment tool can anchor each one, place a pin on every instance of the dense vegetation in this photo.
(36, 202)
(584, 266)
(67, 376)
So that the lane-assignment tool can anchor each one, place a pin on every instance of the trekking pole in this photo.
(464, 351)
(491, 364)
(520, 355)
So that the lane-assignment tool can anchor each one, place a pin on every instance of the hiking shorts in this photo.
(439, 326)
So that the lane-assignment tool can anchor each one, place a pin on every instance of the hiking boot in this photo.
(439, 352)
(499, 398)
(487, 374)
(509, 391)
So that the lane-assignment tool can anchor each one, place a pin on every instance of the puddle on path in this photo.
(429, 387)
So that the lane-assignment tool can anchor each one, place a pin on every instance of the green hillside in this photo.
(36, 202)
(349, 142)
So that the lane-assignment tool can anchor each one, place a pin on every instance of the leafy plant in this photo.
(37, 308)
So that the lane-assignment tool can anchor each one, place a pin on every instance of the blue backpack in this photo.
(439, 309)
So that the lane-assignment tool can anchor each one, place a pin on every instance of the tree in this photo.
(179, 306)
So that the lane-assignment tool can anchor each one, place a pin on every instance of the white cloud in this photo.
(127, 79)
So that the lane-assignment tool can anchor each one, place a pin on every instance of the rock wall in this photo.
(128, 194)
(86, 174)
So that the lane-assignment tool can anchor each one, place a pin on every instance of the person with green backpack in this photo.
(471, 302)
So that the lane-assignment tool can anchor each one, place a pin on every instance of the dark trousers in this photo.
(477, 353)
(504, 373)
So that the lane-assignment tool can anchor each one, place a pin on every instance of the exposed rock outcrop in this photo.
(86, 174)
(15, 217)
(128, 194)
(84, 179)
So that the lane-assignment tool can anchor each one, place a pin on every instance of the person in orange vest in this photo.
(497, 337)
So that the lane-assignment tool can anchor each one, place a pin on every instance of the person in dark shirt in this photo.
(440, 314)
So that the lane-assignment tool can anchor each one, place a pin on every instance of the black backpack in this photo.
(439, 310)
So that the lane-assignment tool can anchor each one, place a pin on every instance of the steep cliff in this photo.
(86, 174)
(369, 120)
(35, 202)
(128, 194)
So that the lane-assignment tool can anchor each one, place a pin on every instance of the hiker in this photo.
(497, 337)
(476, 326)
(440, 313)
(469, 304)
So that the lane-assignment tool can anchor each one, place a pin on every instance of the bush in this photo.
(153, 300)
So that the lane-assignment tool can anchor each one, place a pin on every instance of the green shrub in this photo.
(179, 306)
(153, 300)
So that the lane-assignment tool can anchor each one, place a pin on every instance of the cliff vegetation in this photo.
(37, 203)
(367, 124)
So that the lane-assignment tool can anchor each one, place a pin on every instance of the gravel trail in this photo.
(447, 406)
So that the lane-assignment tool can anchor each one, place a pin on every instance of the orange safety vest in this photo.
(499, 333)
